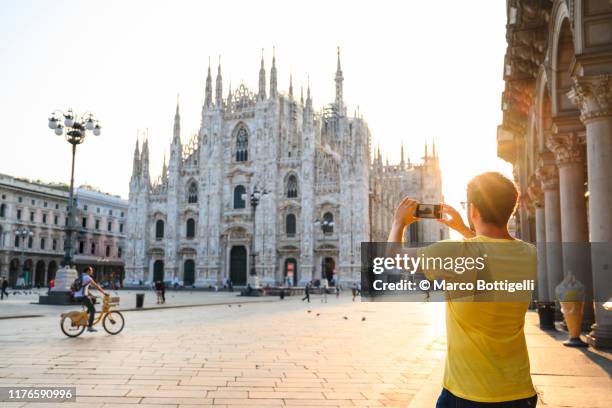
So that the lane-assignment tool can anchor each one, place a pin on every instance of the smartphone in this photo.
(429, 211)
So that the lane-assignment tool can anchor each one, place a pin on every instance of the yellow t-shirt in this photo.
(487, 359)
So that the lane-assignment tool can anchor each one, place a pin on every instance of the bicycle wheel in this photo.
(113, 322)
(69, 329)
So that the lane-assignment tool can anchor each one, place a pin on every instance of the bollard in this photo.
(546, 313)
(139, 300)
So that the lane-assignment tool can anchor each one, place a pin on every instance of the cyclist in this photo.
(83, 295)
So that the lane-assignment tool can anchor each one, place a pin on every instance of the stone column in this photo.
(548, 175)
(520, 174)
(593, 95)
(536, 196)
(568, 149)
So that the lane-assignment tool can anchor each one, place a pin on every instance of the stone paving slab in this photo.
(25, 304)
(562, 376)
(263, 354)
(276, 355)
(567, 377)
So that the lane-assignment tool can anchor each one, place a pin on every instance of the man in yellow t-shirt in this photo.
(487, 360)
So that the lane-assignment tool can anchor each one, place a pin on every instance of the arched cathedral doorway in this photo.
(291, 271)
(189, 272)
(238, 265)
(158, 270)
(329, 266)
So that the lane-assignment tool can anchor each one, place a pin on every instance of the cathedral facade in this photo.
(269, 191)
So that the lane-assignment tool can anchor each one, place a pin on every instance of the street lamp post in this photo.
(75, 129)
(23, 233)
(254, 197)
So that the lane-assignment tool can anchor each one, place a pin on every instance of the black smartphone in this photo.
(429, 211)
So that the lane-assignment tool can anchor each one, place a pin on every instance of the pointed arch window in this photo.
(242, 145)
(159, 229)
(190, 233)
(192, 193)
(239, 201)
(290, 225)
(2, 210)
(328, 223)
(292, 186)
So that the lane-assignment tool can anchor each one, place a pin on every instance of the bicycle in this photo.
(74, 323)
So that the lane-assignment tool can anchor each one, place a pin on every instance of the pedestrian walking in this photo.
(306, 292)
(3, 288)
(158, 291)
(113, 280)
(337, 291)
(354, 289)
(324, 287)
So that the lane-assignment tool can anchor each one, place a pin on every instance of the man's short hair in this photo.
(494, 195)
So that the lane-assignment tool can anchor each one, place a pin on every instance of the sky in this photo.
(419, 71)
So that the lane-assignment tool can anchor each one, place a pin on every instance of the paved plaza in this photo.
(270, 353)
(25, 303)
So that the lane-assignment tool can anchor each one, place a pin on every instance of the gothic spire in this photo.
(229, 95)
(136, 163)
(339, 80)
(219, 87)
(301, 94)
(164, 169)
(402, 162)
(208, 92)
(144, 158)
(308, 98)
(262, 78)
(273, 83)
(145, 147)
(290, 86)
(177, 123)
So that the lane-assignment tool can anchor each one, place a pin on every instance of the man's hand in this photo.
(404, 213)
(404, 216)
(453, 220)
(95, 284)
